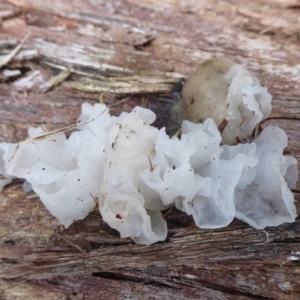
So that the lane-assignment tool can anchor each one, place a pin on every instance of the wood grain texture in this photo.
(140, 49)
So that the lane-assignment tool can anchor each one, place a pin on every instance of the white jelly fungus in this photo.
(227, 93)
(135, 171)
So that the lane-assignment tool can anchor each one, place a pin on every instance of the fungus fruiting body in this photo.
(136, 171)
(227, 93)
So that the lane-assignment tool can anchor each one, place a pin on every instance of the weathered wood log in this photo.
(140, 49)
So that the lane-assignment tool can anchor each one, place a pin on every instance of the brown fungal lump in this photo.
(227, 93)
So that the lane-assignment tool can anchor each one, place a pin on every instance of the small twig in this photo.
(44, 128)
(267, 30)
(267, 234)
(150, 162)
(64, 129)
(36, 138)
(73, 126)
(94, 198)
(144, 102)
(13, 53)
(164, 215)
(56, 80)
(119, 102)
(101, 98)
(71, 243)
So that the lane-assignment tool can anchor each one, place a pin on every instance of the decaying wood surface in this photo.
(140, 49)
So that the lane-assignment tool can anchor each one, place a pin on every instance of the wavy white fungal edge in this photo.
(227, 93)
(125, 203)
(266, 200)
(136, 171)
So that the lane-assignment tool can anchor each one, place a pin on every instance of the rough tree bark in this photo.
(140, 49)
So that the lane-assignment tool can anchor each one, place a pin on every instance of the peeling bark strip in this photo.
(138, 50)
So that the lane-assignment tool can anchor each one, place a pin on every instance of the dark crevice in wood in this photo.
(295, 191)
(283, 118)
(9, 260)
(295, 6)
(122, 277)
(9, 242)
(287, 241)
